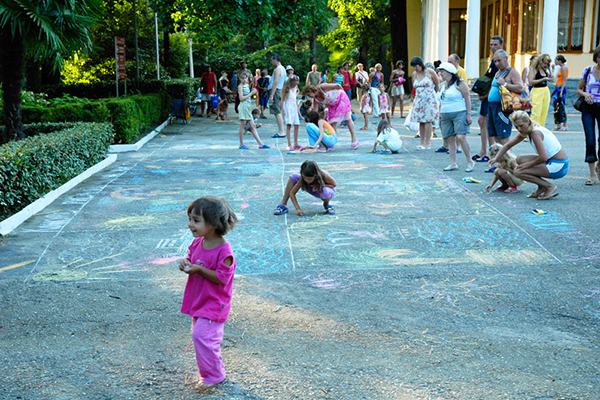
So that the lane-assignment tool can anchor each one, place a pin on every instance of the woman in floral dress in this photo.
(426, 107)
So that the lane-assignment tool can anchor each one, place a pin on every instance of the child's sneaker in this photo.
(511, 189)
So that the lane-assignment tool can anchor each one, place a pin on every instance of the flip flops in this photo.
(280, 210)
(277, 135)
(264, 147)
(329, 210)
(244, 147)
(354, 145)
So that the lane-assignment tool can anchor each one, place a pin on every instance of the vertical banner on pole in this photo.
(120, 70)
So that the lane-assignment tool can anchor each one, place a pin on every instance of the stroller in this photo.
(179, 109)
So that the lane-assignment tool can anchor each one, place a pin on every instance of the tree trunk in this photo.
(363, 55)
(12, 51)
(399, 33)
(34, 75)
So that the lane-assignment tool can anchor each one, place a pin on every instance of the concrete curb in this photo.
(9, 224)
(124, 148)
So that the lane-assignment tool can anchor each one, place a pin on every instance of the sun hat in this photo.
(289, 67)
(446, 66)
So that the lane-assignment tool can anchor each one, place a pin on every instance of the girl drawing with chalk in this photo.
(321, 135)
(312, 180)
(210, 266)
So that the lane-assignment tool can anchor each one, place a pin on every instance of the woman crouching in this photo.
(550, 160)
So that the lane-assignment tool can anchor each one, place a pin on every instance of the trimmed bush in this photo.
(32, 167)
(40, 128)
(129, 114)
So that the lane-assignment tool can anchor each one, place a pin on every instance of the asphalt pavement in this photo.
(421, 286)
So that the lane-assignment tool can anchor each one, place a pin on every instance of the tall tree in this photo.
(363, 27)
(54, 27)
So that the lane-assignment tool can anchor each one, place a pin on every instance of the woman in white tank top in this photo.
(550, 160)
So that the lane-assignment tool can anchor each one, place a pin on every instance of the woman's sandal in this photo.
(546, 196)
(589, 182)
(364, 128)
(329, 210)
(280, 210)
(535, 195)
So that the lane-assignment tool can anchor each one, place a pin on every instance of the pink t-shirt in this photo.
(203, 298)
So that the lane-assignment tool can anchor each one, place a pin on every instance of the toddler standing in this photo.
(365, 108)
(384, 104)
(210, 266)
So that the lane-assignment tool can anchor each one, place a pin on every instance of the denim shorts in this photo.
(454, 123)
(498, 123)
(557, 168)
(483, 108)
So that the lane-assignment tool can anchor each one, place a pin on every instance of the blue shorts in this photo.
(327, 192)
(263, 101)
(483, 108)
(557, 168)
(498, 123)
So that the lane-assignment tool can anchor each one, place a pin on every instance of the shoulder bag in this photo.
(580, 102)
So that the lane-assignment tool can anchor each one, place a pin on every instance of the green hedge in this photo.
(129, 114)
(32, 167)
(103, 89)
(39, 128)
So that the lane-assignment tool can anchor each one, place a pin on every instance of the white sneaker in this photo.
(470, 167)
(451, 168)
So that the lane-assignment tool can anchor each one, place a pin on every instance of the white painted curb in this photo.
(124, 148)
(9, 224)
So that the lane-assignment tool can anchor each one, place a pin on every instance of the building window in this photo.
(570, 25)
(458, 30)
(530, 25)
(514, 27)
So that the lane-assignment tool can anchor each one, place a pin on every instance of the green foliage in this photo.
(32, 167)
(41, 128)
(51, 28)
(132, 114)
(129, 114)
(176, 88)
(363, 31)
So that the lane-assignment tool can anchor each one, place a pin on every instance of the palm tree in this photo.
(51, 28)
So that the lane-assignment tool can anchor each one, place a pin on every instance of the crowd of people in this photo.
(441, 98)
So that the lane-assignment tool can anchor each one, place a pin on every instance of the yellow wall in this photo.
(413, 17)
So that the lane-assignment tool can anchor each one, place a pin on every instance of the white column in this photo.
(550, 28)
(425, 24)
(443, 31)
(473, 38)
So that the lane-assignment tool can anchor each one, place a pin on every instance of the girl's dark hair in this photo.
(417, 61)
(216, 212)
(339, 69)
(437, 63)
(311, 169)
(561, 58)
(312, 116)
(383, 125)
(596, 54)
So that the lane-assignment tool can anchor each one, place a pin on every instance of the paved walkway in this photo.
(421, 286)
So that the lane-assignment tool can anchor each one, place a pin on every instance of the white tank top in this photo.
(551, 143)
(452, 99)
(282, 77)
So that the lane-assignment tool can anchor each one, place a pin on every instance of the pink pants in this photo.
(207, 336)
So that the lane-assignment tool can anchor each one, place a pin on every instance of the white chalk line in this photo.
(83, 206)
(283, 185)
(495, 209)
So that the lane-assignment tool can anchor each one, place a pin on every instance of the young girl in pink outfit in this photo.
(210, 266)
(384, 104)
